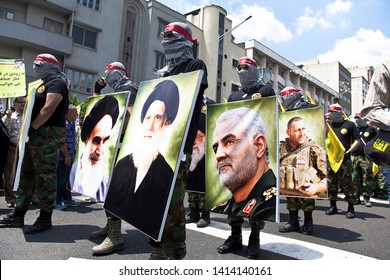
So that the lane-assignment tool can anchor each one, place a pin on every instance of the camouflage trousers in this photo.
(196, 198)
(295, 203)
(341, 180)
(174, 235)
(380, 180)
(39, 168)
(363, 179)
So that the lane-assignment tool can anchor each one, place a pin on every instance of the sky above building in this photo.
(356, 33)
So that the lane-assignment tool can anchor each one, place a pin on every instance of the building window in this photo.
(85, 37)
(53, 26)
(92, 4)
(129, 39)
(80, 81)
(234, 63)
(161, 26)
(160, 60)
(5, 13)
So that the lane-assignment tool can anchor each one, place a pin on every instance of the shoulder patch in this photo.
(249, 206)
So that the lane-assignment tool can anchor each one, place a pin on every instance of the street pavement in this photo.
(335, 237)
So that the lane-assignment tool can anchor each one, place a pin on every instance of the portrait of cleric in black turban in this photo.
(97, 144)
(148, 160)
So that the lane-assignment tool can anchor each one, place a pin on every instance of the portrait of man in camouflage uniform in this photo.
(302, 163)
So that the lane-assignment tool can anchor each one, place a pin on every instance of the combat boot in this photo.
(204, 220)
(292, 224)
(158, 252)
(194, 215)
(308, 223)
(114, 240)
(15, 218)
(367, 201)
(351, 211)
(234, 242)
(253, 251)
(101, 233)
(42, 223)
(332, 209)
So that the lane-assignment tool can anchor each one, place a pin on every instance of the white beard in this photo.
(197, 155)
(144, 154)
(90, 176)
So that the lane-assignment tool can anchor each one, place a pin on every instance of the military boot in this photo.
(15, 218)
(101, 233)
(194, 215)
(351, 211)
(113, 242)
(42, 223)
(204, 220)
(234, 242)
(367, 201)
(253, 251)
(158, 252)
(308, 223)
(332, 209)
(292, 224)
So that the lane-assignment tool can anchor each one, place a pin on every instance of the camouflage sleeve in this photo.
(318, 160)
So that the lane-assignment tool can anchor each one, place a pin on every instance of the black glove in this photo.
(30, 131)
(99, 87)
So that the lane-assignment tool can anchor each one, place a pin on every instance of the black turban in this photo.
(167, 92)
(105, 106)
(202, 122)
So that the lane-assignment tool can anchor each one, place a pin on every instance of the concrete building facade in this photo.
(87, 35)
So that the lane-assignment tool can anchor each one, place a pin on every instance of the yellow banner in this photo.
(12, 78)
(311, 100)
(335, 150)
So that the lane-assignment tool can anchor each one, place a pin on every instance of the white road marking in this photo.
(282, 245)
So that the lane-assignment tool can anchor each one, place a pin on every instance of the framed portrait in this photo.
(152, 148)
(98, 142)
(235, 169)
(302, 153)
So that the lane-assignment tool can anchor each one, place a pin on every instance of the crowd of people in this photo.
(51, 148)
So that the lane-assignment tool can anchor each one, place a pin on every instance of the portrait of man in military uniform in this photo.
(302, 163)
(241, 159)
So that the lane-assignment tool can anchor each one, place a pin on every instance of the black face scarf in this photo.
(360, 123)
(336, 117)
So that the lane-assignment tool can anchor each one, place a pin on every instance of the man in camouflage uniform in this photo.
(348, 134)
(304, 159)
(292, 99)
(362, 175)
(177, 42)
(46, 137)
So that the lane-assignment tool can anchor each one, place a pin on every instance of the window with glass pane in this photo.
(84, 37)
(80, 81)
(90, 39)
(78, 35)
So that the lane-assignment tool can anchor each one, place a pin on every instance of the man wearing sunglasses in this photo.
(251, 82)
